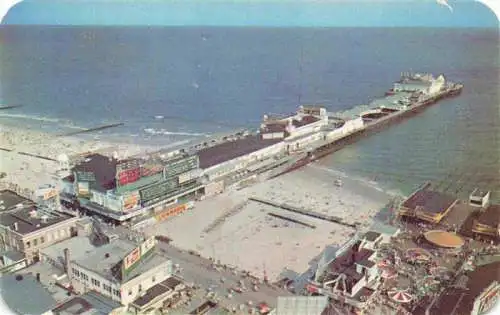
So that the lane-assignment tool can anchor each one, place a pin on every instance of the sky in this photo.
(283, 13)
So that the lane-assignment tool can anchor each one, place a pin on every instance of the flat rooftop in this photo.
(490, 216)
(165, 286)
(31, 219)
(79, 246)
(431, 201)
(91, 303)
(106, 260)
(9, 200)
(229, 150)
(23, 294)
(305, 120)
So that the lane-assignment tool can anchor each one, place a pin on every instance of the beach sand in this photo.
(254, 240)
(31, 172)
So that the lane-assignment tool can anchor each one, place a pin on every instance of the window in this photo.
(129, 292)
(140, 287)
(106, 287)
(153, 279)
(42, 240)
(35, 242)
(95, 282)
(116, 292)
(28, 244)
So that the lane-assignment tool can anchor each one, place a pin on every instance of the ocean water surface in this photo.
(169, 84)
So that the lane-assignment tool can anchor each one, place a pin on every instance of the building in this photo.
(488, 222)
(23, 294)
(123, 190)
(427, 205)
(352, 274)
(120, 270)
(30, 227)
(89, 303)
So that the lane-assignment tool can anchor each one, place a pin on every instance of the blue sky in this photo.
(336, 13)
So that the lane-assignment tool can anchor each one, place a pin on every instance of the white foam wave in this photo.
(165, 132)
(60, 122)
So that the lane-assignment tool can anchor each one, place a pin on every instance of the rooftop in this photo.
(230, 150)
(104, 169)
(107, 259)
(490, 216)
(9, 199)
(32, 219)
(431, 201)
(87, 304)
(479, 193)
(23, 294)
(79, 246)
(305, 120)
(371, 236)
(157, 290)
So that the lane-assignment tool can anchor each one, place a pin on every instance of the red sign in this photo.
(132, 258)
(129, 176)
(311, 289)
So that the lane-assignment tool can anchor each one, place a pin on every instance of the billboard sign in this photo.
(151, 169)
(132, 258)
(83, 189)
(130, 201)
(148, 245)
(181, 166)
(158, 190)
(171, 212)
(128, 172)
(83, 176)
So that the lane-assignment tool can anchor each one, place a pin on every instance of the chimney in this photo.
(16, 226)
(67, 263)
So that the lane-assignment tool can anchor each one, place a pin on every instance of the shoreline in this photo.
(30, 172)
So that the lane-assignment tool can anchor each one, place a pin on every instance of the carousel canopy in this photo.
(400, 296)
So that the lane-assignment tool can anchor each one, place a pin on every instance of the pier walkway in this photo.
(304, 212)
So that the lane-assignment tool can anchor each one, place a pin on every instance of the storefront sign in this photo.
(128, 172)
(148, 245)
(171, 212)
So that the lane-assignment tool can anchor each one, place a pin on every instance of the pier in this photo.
(303, 212)
(99, 128)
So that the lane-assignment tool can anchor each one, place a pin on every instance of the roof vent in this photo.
(106, 255)
(44, 218)
(33, 213)
(19, 277)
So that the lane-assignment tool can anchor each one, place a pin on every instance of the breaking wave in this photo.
(165, 132)
(59, 122)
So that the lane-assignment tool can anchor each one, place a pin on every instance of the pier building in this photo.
(427, 205)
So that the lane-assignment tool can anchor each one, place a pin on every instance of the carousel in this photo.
(400, 295)
(444, 239)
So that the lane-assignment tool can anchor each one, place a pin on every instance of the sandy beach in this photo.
(254, 240)
(30, 172)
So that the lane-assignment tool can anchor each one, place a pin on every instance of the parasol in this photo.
(400, 296)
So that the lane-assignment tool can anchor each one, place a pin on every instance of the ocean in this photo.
(169, 84)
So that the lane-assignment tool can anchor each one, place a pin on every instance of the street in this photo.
(200, 272)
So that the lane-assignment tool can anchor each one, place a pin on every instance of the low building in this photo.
(427, 205)
(23, 294)
(120, 270)
(89, 303)
(352, 274)
(488, 222)
(33, 227)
